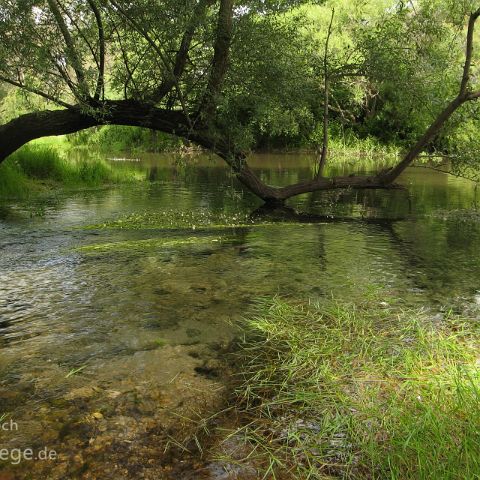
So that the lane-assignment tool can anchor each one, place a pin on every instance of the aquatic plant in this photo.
(150, 243)
(360, 391)
(74, 371)
(170, 219)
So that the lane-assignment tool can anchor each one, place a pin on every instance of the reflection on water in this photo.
(105, 350)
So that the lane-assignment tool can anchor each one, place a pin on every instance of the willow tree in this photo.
(185, 68)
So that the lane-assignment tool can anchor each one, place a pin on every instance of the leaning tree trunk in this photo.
(60, 122)
(133, 113)
(31, 126)
(130, 113)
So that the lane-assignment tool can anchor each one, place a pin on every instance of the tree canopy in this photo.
(229, 74)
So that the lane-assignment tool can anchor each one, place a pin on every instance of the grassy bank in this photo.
(34, 169)
(117, 138)
(354, 147)
(361, 392)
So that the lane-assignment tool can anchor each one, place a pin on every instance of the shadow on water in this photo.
(286, 213)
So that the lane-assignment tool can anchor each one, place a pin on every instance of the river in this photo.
(116, 304)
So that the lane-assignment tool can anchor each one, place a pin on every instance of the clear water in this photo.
(103, 351)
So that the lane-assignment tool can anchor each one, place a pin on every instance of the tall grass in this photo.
(33, 168)
(13, 183)
(361, 147)
(361, 392)
(346, 143)
(40, 163)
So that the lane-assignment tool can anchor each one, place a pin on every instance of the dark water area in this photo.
(109, 337)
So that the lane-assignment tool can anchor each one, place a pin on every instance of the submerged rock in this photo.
(82, 392)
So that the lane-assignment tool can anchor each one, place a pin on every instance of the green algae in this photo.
(174, 220)
(150, 243)
(169, 219)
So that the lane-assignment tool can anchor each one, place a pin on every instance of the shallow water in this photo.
(109, 337)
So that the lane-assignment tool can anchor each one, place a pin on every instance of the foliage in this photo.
(413, 80)
(461, 141)
(392, 67)
(360, 391)
(17, 102)
(121, 139)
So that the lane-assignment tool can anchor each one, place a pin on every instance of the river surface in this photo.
(116, 303)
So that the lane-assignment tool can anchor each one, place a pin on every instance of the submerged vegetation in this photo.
(360, 391)
(173, 219)
(142, 245)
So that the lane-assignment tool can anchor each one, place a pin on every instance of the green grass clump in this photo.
(13, 182)
(35, 168)
(121, 138)
(40, 163)
(95, 173)
(355, 391)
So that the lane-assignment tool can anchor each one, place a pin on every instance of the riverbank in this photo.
(362, 391)
(57, 162)
(38, 168)
(317, 390)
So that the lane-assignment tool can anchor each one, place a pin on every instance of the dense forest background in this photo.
(390, 67)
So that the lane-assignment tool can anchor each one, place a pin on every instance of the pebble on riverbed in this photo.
(136, 418)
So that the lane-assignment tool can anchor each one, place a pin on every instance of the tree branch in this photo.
(182, 53)
(463, 96)
(468, 52)
(65, 77)
(35, 91)
(323, 157)
(474, 95)
(80, 32)
(100, 89)
(138, 28)
(131, 113)
(126, 64)
(61, 122)
(71, 50)
(220, 60)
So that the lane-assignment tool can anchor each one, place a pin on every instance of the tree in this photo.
(171, 66)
